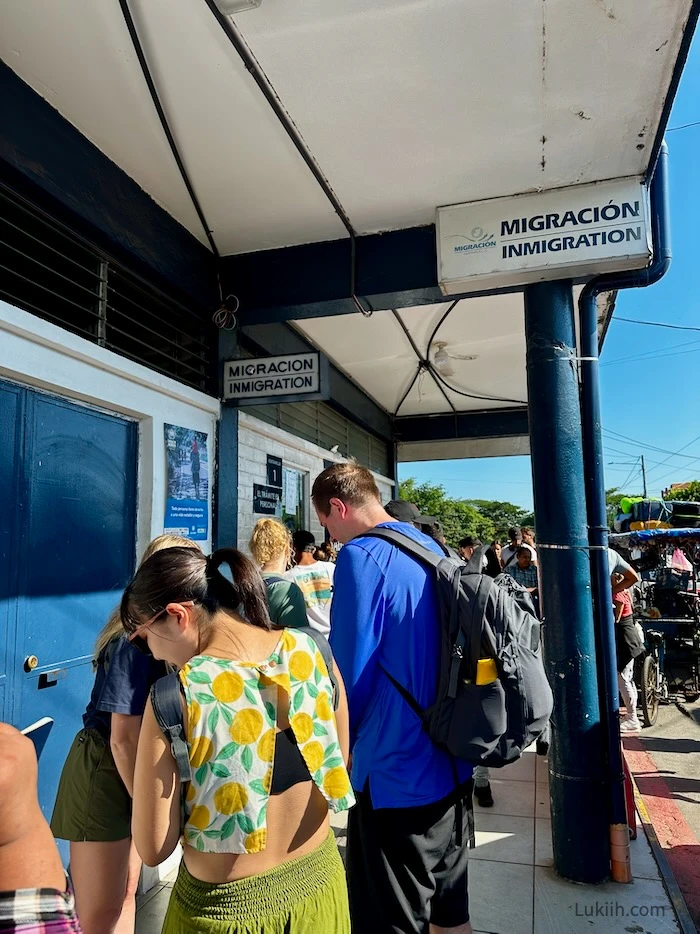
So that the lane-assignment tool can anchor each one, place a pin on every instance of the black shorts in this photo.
(407, 867)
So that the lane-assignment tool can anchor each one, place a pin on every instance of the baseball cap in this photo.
(430, 525)
(403, 511)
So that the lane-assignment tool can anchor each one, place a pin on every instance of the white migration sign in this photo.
(559, 234)
(260, 378)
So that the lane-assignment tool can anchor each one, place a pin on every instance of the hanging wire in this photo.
(225, 315)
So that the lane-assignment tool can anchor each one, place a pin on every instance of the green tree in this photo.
(690, 494)
(457, 517)
(503, 515)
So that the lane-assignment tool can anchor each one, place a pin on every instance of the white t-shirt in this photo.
(316, 584)
(507, 553)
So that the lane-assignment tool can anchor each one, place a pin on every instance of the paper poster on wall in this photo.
(291, 491)
(187, 503)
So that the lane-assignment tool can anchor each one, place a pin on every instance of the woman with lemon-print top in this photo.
(267, 754)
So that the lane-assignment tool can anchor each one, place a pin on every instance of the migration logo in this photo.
(478, 240)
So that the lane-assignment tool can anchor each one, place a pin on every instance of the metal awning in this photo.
(392, 108)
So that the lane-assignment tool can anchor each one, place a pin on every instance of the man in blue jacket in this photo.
(408, 833)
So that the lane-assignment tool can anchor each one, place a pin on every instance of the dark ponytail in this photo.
(175, 575)
(245, 592)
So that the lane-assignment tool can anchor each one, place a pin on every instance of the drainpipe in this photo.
(595, 503)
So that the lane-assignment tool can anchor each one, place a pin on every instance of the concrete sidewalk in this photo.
(512, 886)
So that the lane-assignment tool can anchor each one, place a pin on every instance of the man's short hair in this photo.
(515, 532)
(351, 483)
(304, 541)
(469, 542)
(523, 550)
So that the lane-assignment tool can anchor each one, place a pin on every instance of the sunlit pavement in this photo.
(512, 886)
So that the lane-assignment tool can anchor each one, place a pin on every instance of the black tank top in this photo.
(290, 768)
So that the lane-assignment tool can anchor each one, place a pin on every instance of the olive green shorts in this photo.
(306, 895)
(92, 803)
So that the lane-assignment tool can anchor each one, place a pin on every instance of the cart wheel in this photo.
(650, 692)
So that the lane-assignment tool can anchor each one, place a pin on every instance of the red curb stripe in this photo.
(680, 845)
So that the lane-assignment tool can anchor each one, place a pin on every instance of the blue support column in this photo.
(578, 791)
(226, 473)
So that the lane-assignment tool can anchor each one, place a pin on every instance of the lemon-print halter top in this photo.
(232, 718)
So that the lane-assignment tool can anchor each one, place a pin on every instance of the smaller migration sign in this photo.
(299, 377)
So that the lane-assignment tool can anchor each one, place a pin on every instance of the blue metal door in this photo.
(71, 549)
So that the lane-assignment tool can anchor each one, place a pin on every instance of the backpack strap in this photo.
(274, 579)
(407, 544)
(166, 699)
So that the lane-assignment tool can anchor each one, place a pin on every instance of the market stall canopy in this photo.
(393, 108)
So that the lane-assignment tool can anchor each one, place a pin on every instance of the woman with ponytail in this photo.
(267, 754)
(93, 804)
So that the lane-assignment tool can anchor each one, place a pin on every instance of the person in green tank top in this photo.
(271, 548)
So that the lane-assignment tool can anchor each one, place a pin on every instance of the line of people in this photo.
(279, 733)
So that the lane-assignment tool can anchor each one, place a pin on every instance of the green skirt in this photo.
(306, 895)
(92, 802)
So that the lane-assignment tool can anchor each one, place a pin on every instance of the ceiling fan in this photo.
(443, 361)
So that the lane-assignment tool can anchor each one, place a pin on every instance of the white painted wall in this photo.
(257, 439)
(41, 355)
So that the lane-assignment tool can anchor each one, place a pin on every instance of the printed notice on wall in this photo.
(187, 503)
(291, 491)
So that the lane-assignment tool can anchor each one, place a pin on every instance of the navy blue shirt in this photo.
(123, 681)
(385, 616)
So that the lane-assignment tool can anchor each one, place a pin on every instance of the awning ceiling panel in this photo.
(377, 353)
(403, 104)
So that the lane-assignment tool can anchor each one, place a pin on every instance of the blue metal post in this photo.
(576, 762)
(595, 477)
(225, 508)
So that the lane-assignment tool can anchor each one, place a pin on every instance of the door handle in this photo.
(30, 663)
(49, 679)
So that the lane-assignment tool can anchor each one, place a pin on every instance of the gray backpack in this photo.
(485, 724)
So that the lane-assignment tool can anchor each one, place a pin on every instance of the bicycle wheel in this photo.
(650, 691)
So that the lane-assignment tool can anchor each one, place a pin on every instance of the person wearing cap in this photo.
(314, 579)
(403, 511)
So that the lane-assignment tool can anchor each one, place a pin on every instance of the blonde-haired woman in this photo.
(271, 548)
(93, 804)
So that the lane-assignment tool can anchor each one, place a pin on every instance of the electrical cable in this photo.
(471, 395)
(418, 372)
(670, 457)
(683, 126)
(438, 376)
(423, 362)
(265, 86)
(657, 324)
(155, 98)
(656, 354)
(648, 447)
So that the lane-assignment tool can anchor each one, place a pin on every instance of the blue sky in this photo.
(650, 389)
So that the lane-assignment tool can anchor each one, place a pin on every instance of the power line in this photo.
(655, 354)
(674, 455)
(644, 444)
(656, 324)
(683, 126)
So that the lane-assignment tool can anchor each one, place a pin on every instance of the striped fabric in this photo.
(38, 911)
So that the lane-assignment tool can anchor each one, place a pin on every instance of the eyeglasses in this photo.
(138, 641)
